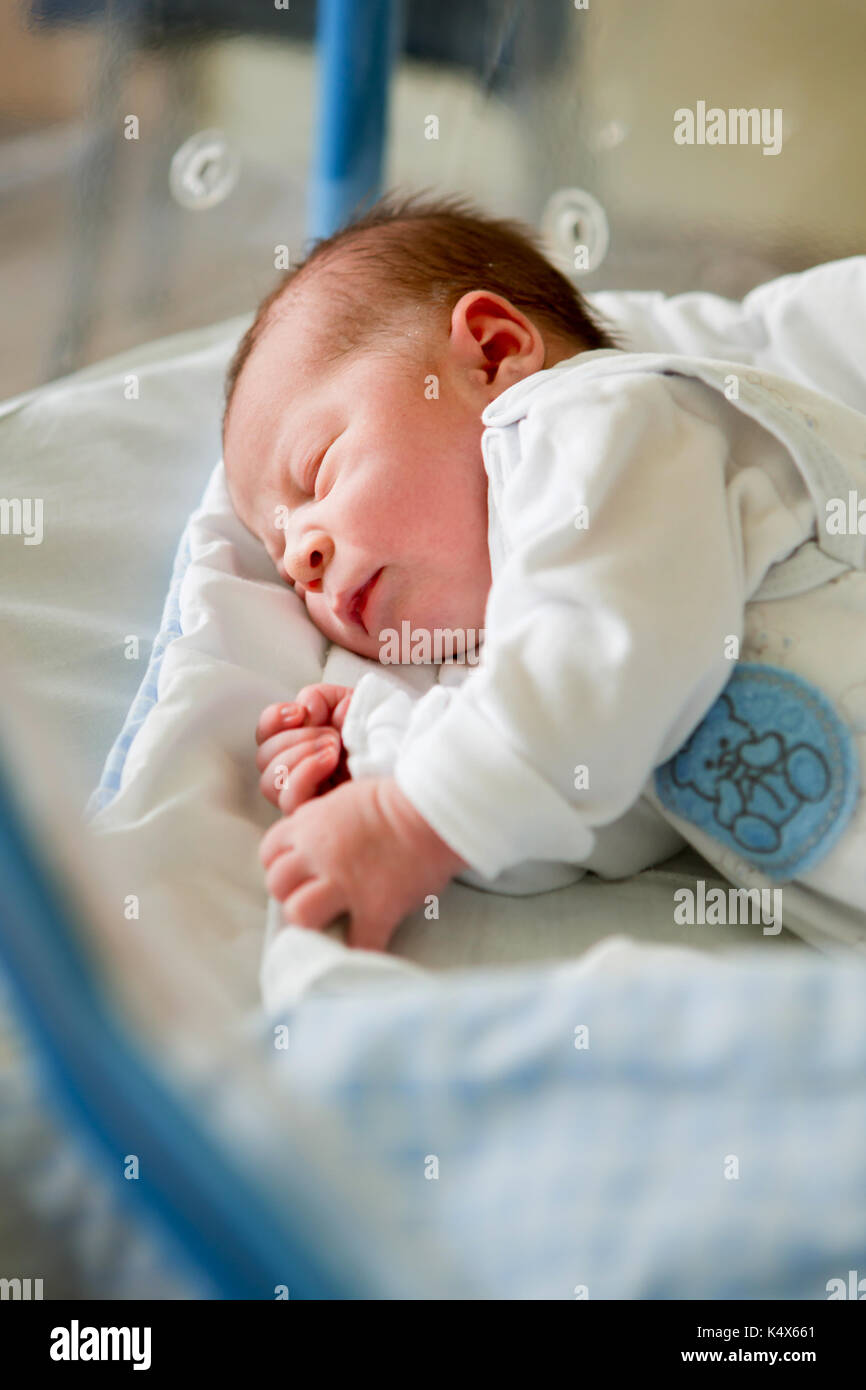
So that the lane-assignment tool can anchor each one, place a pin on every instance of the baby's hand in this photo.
(363, 850)
(300, 747)
(315, 705)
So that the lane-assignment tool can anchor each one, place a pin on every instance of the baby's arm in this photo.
(606, 641)
(300, 746)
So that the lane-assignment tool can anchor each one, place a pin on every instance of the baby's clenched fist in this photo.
(362, 850)
(301, 751)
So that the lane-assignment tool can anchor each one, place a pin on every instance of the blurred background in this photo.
(155, 153)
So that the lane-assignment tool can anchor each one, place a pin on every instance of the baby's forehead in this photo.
(279, 374)
(315, 307)
(296, 375)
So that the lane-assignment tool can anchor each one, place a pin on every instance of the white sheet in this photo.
(119, 478)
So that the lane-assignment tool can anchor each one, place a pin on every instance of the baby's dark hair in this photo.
(421, 250)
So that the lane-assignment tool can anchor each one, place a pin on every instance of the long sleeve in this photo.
(383, 715)
(605, 642)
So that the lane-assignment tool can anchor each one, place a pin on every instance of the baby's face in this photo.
(352, 473)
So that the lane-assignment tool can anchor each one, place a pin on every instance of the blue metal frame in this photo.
(357, 42)
(232, 1233)
(242, 1245)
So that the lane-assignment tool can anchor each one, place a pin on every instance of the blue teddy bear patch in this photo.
(771, 771)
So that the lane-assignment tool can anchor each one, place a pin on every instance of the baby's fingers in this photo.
(289, 739)
(320, 701)
(287, 758)
(295, 775)
(307, 901)
(314, 904)
(277, 718)
(285, 873)
(276, 841)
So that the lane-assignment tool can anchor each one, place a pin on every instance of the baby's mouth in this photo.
(359, 600)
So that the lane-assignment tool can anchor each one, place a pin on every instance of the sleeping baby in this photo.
(439, 444)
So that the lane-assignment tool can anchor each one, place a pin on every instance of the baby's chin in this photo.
(353, 640)
(429, 641)
(431, 634)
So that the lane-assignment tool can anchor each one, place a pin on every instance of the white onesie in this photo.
(645, 513)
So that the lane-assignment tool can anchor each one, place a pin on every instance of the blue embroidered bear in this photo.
(755, 783)
(771, 771)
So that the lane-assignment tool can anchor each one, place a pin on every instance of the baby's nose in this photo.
(310, 560)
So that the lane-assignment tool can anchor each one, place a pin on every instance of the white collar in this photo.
(511, 405)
